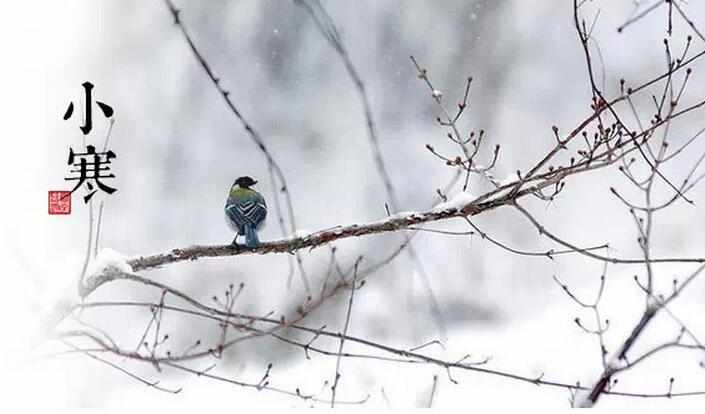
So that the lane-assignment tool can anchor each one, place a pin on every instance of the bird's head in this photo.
(245, 182)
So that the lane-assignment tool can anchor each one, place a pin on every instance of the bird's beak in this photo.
(255, 182)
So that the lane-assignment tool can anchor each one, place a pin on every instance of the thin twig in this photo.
(334, 387)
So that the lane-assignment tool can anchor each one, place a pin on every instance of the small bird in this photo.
(245, 211)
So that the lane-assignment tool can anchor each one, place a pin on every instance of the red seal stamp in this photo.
(59, 202)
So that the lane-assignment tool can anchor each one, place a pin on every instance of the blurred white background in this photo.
(179, 149)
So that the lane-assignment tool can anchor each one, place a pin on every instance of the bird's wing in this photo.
(262, 205)
(250, 211)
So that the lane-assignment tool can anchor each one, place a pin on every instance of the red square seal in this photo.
(59, 202)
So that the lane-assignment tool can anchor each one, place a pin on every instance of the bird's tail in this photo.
(251, 239)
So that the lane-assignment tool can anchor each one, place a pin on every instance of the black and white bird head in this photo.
(245, 181)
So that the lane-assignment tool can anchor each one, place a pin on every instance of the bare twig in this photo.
(334, 387)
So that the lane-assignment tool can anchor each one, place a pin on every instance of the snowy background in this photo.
(179, 149)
